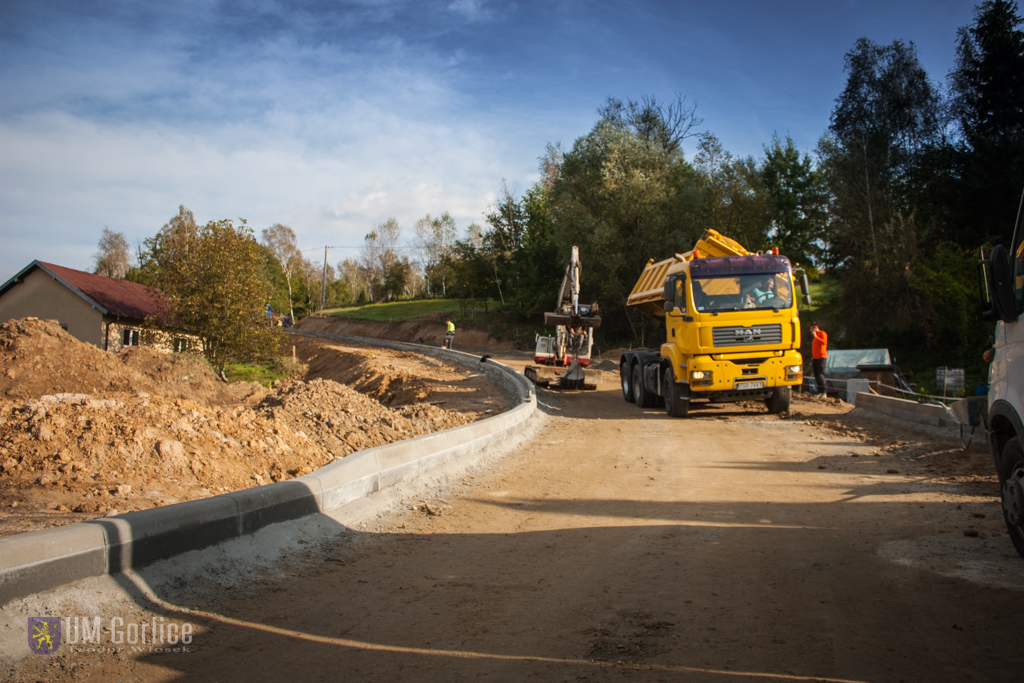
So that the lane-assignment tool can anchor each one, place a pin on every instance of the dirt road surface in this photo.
(624, 545)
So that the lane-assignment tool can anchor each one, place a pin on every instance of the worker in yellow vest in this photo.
(449, 335)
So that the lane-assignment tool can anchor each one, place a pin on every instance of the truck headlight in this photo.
(794, 369)
(700, 374)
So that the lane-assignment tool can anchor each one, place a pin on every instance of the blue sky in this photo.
(331, 117)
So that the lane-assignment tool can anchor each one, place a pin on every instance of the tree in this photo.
(350, 273)
(471, 273)
(622, 200)
(314, 276)
(665, 126)
(280, 299)
(885, 118)
(280, 239)
(504, 239)
(214, 285)
(987, 91)
(113, 256)
(538, 260)
(734, 199)
(884, 231)
(396, 277)
(380, 252)
(435, 238)
(797, 202)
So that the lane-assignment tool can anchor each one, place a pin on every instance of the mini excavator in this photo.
(573, 341)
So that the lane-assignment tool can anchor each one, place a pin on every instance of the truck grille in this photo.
(745, 336)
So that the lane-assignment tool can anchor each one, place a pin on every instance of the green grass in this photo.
(400, 311)
(823, 292)
(264, 373)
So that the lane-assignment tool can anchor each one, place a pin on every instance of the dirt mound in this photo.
(74, 452)
(38, 357)
(342, 420)
(85, 433)
(182, 375)
(396, 378)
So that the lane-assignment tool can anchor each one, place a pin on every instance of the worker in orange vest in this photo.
(819, 353)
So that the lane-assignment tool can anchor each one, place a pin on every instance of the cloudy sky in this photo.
(332, 116)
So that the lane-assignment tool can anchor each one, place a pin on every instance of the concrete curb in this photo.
(41, 560)
(922, 413)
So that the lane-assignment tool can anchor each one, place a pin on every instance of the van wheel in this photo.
(677, 402)
(1011, 482)
(641, 396)
(780, 399)
(627, 387)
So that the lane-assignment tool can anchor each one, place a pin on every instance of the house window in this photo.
(131, 337)
(180, 345)
(64, 326)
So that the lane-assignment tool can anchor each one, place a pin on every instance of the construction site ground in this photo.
(85, 433)
(825, 544)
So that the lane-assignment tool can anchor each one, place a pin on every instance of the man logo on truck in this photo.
(748, 334)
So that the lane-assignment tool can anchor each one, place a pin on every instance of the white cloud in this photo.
(471, 10)
(331, 176)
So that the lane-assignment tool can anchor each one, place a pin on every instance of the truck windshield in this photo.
(741, 292)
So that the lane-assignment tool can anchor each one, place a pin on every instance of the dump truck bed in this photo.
(648, 293)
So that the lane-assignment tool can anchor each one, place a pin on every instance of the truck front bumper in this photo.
(738, 378)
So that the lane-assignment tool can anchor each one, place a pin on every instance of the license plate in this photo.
(740, 386)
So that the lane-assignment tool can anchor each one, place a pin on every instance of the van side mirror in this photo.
(996, 287)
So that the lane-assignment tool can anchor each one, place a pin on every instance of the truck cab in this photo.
(732, 331)
(1002, 289)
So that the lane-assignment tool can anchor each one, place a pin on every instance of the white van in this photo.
(1003, 301)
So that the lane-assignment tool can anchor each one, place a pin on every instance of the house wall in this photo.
(40, 296)
(161, 340)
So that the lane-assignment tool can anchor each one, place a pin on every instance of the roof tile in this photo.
(120, 297)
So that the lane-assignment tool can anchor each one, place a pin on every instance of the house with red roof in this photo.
(94, 308)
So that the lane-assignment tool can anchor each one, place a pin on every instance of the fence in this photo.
(949, 380)
(847, 390)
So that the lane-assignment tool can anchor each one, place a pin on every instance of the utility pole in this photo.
(323, 289)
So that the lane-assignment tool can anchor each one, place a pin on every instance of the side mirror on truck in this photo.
(673, 294)
(997, 292)
(995, 287)
(801, 278)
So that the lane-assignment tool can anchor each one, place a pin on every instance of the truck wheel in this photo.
(677, 402)
(641, 396)
(1011, 481)
(627, 387)
(780, 399)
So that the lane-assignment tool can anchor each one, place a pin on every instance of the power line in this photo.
(404, 248)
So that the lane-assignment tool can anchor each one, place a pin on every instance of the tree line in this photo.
(912, 179)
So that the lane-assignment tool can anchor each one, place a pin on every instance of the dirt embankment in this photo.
(85, 433)
(427, 331)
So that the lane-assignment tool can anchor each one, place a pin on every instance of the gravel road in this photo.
(621, 544)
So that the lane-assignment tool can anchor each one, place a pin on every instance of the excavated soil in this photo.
(426, 331)
(86, 433)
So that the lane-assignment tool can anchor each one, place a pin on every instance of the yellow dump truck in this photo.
(731, 324)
